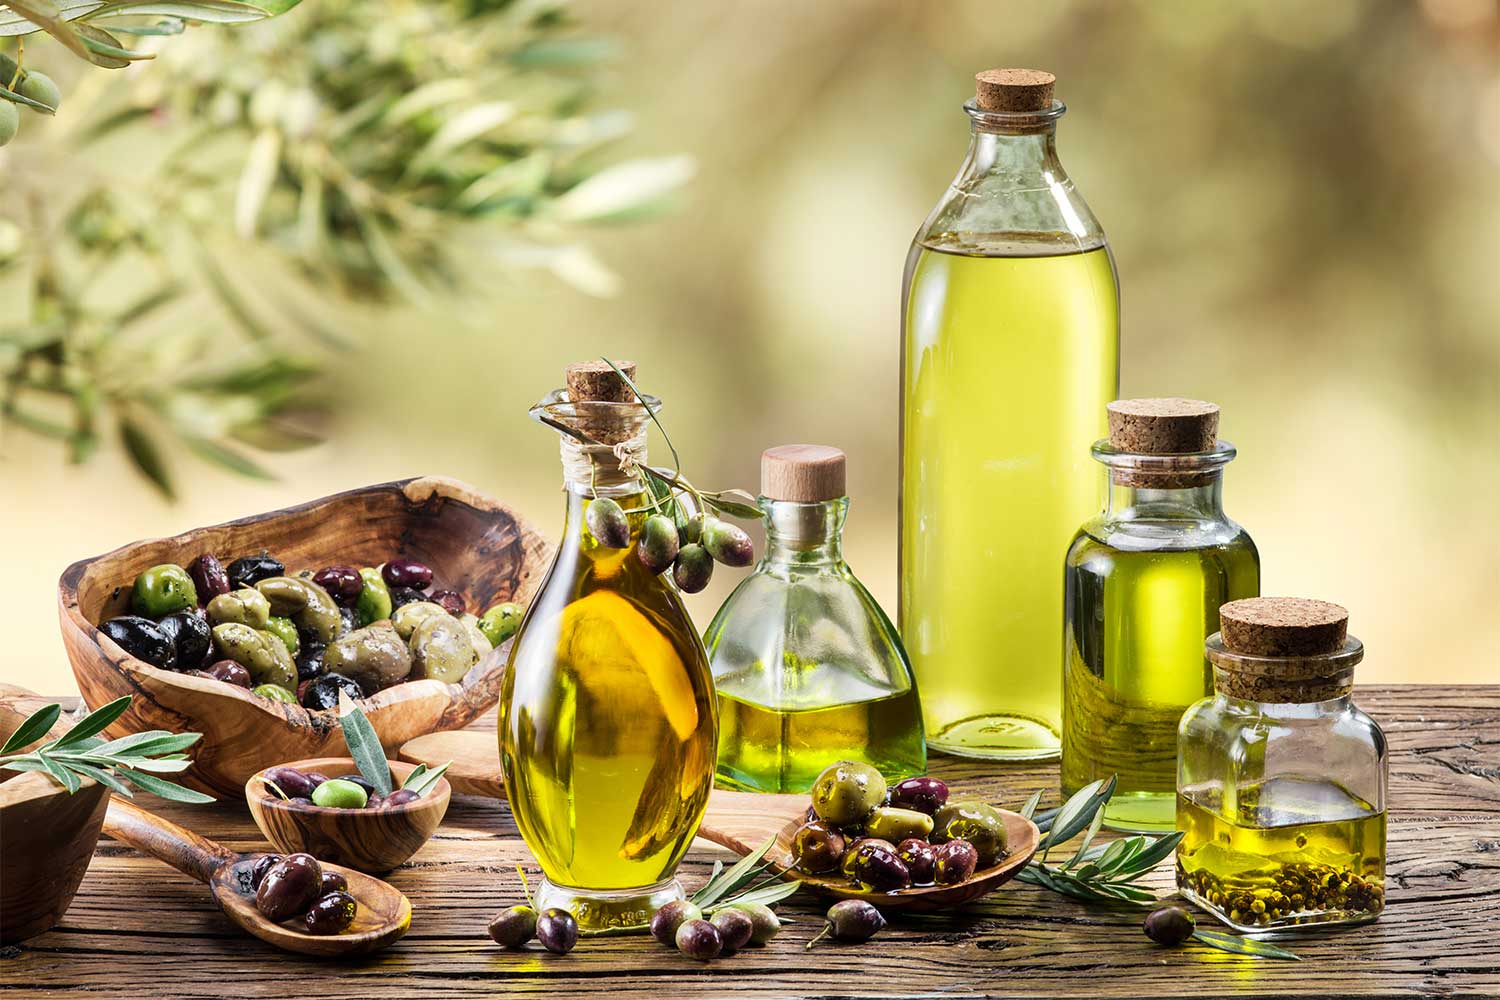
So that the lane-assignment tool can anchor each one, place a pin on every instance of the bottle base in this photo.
(599, 911)
(997, 737)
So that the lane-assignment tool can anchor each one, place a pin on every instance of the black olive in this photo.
(289, 887)
(262, 865)
(250, 570)
(349, 617)
(143, 639)
(1169, 925)
(323, 692)
(191, 638)
(405, 595)
(331, 913)
(513, 927)
(310, 660)
(209, 578)
(557, 930)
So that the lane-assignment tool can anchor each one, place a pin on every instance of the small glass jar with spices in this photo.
(1281, 779)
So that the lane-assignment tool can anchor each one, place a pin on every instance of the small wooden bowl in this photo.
(475, 545)
(367, 840)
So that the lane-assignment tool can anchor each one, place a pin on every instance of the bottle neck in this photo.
(1200, 502)
(1288, 711)
(1029, 155)
(804, 534)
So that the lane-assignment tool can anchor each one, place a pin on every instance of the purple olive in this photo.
(925, 795)
(670, 916)
(450, 601)
(343, 583)
(291, 781)
(331, 913)
(401, 797)
(209, 578)
(513, 926)
(920, 859)
(262, 865)
(874, 863)
(1169, 925)
(316, 777)
(332, 882)
(229, 672)
(699, 939)
(374, 800)
(852, 920)
(735, 928)
(954, 862)
(407, 573)
(289, 887)
(557, 930)
(728, 543)
(817, 848)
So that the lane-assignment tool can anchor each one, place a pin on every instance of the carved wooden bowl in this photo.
(474, 544)
(367, 840)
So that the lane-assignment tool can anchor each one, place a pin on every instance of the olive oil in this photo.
(1292, 851)
(1134, 662)
(1011, 352)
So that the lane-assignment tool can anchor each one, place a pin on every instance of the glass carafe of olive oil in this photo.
(607, 716)
(1010, 351)
(1143, 582)
(808, 668)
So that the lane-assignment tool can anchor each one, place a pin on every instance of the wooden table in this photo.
(139, 929)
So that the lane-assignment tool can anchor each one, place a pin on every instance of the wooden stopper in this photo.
(1283, 626)
(1163, 426)
(1014, 90)
(803, 473)
(595, 380)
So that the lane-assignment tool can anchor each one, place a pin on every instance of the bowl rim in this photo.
(442, 792)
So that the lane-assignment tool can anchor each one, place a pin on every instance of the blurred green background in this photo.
(1304, 204)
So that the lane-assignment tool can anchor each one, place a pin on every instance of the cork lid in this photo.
(802, 473)
(1284, 649)
(1014, 90)
(1283, 626)
(1163, 425)
(595, 380)
(595, 391)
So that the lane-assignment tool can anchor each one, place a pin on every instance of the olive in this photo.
(875, 863)
(361, 781)
(976, 822)
(376, 801)
(300, 800)
(250, 570)
(275, 692)
(402, 596)
(846, 792)
(40, 88)
(332, 882)
(190, 636)
(513, 926)
(374, 657)
(291, 781)
(925, 795)
(734, 926)
(728, 543)
(323, 692)
(920, 859)
(608, 523)
(480, 641)
(851, 920)
(258, 652)
(670, 916)
(693, 569)
(246, 606)
(10, 122)
(262, 865)
(699, 939)
(557, 930)
(163, 589)
(692, 529)
(289, 887)
(331, 913)
(501, 622)
(1169, 925)
(316, 777)
(407, 573)
(283, 629)
(954, 862)
(659, 544)
(817, 848)
(763, 919)
(142, 639)
(896, 825)
(209, 578)
(442, 650)
(305, 603)
(374, 601)
(450, 601)
(230, 673)
(343, 583)
(401, 797)
(339, 793)
(406, 618)
(310, 660)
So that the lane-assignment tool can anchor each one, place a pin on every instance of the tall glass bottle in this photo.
(808, 668)
(1010, 351)
(607, 716)
(1143, 583)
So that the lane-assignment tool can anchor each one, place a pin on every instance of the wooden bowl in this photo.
(367, 840)
(475, 545)
(47, 836)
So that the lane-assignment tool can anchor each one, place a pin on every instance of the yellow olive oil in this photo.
(607, 737)
(1134, 662)
(1011, 351)
(1294, 852)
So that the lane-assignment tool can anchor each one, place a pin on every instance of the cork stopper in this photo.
(1167, 425)
(596, 380)
(1014, 90)
(802, 473)
(1284, 649)
(1283, 626)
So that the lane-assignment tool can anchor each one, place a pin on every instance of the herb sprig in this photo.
(82, 753)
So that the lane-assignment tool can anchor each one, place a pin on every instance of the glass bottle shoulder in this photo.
(1147, 534)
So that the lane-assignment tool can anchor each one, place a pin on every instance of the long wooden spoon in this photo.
(740, 821)
(384, 913)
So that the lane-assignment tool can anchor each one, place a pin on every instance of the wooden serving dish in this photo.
(476, 546)
(367, 840)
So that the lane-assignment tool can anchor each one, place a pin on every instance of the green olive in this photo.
(482, 644)
(407, 617)
(978, 823)
(163, 589)
(896, 825)
(283, 629)
(442, 650)
(374, 657)
(275, 692)
(40, 87)
(305, 603)
(259, 652)
(10, 122)
(336, 793)
(846, 792)
(246, 606)
(501, 621)
(374, 601)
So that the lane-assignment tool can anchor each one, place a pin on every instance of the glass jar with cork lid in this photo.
(1281, 779)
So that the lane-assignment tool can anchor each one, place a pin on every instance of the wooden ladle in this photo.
(384, 913)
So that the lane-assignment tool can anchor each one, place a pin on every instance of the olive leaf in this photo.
(1243, 945)
(33, 729)
(422, 778)
(744, 870)
(364, 745)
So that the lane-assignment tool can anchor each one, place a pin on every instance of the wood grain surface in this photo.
(139, 929)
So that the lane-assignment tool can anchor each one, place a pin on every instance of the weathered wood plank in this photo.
(139, 929)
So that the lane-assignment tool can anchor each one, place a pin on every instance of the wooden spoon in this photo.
(740, 821)
(384, 913)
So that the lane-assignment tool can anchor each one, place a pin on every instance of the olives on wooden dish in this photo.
(347, 791)
(306, 637)
(295, 887)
